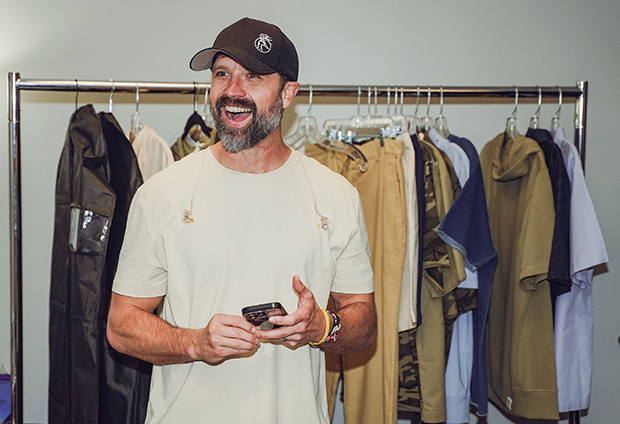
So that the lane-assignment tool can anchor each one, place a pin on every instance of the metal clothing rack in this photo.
(577, 93)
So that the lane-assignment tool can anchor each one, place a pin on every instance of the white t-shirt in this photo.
(152, 152)
(251, 234)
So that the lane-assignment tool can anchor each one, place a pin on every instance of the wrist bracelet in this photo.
(327, 328)
(333, 333)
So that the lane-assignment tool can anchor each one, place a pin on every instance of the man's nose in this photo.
(235, 87)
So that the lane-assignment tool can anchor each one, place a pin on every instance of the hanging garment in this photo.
(459, 366)
(559, 264)
(457, 156)
(370, 377)
(152, 152)
(97, 177)
(407, 311)
(125, 381)
(573, 310)
(466, 228)
(195, 140)
(419, 182)
(522, 375)
(441, 302)
(471, 235)
(423, 351)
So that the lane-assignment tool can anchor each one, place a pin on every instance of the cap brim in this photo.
(204, 60)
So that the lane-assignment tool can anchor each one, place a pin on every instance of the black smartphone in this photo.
(259, 314)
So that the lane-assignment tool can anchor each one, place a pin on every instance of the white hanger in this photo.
(512, 130)
(535, 120)
(400, 121)
(307, 129)
(427, 122)
(413, 120)
(137, 123)
(360, 127)
(555, 120)
(111, 105)
(441, 123)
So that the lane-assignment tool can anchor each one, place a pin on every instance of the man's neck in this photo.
(268, 155)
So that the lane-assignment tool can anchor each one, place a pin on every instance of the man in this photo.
(232, 226)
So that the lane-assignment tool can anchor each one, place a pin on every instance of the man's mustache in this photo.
(236, 102)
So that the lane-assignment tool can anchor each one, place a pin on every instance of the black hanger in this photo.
(194, 119)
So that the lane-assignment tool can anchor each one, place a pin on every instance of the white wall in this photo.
(406, 42)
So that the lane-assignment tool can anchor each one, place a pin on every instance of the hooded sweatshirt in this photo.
(522, 374)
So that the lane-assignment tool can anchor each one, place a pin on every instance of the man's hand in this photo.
(358, 322)
(225, 337)
(306, 324)
(134, 329)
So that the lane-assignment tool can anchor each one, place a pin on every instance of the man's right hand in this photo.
(135, 330)
(225, 337)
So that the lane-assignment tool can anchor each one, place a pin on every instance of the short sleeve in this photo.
(141, 268)
(353, 270)
(537, 234)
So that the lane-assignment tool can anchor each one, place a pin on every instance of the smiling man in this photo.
(245, 222)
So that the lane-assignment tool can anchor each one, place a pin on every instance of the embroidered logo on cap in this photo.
(263, 43)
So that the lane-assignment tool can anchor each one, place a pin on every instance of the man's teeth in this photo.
(236, 109)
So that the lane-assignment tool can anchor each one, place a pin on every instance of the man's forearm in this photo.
(146, 336)
(358, 328)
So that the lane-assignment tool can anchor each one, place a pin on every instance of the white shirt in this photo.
(152, 152)
(251, 234)
(573, 310)
(407, 313)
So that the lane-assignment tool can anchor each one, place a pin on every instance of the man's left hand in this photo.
(306, 324)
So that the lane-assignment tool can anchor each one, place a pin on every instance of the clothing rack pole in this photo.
(16, 251)
(578, 93)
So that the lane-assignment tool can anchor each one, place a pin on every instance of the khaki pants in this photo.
(371, 376)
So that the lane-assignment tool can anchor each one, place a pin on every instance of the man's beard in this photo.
(262, 124)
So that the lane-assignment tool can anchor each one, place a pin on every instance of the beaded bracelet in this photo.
(327, 328)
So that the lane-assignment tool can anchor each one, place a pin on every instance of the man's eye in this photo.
(252, 76)
(220, 74)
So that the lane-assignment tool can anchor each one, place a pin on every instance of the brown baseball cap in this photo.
(259, 46)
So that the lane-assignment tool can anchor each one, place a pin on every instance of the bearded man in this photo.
(244, 222)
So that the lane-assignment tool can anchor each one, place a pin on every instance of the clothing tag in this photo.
(74, 228)
(509, 402)
(88, 232)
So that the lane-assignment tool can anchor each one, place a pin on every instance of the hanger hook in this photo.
(428, 103)
(555, 120)
(310, 101)
(137, 97)
(537, 113)
(359, 99)
(206, 99)
(77, 91)
(441, 101)
(388, 101)
(376, 110)
(369, 97)
(111, 105)
(417, 102)
(402, 100)
(557, 112)
(196, 94)
(514, 112)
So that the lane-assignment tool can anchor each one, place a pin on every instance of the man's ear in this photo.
(289, 92)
